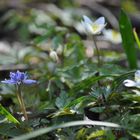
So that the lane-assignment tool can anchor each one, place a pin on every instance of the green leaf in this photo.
(81, 134)
(78, 100)
(9, 129)
(132, 97)
(42, 131)
(136, 135)
(96, 134)
(97, 109)
(87, 83)
(44, 37)
(11, 118)
(62, 113)
(128, 39)
(110, 135)
(119, 79)
(62, 100)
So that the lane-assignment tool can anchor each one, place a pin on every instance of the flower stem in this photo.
(21, 102)
(97, 51)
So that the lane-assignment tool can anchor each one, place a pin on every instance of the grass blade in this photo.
(4, 112)
(128, 39)
(69, 124)
(136, 37)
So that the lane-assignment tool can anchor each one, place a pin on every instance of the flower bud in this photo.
(89, 52)
(59, 49)
(53, 56)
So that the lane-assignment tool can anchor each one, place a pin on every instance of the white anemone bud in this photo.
(53, 56)
(89, 52)
(59, 49)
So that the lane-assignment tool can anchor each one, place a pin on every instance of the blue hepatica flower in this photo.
(19, 78)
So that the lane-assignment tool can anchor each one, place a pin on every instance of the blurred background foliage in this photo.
(71, 85)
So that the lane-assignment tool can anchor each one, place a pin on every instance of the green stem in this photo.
(136, 37)
(21, 102)
(62, 56)
(97, 51)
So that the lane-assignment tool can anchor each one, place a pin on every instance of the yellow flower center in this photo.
(95, 27)
(115, 34)
(137, 79)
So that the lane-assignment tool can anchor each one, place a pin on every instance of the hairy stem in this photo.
(21, 102)
(97, 50)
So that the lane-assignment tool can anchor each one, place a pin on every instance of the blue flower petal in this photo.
(19, 78)
(29, 81)
(87, 19)
(18, 75)
(22, 76)
(9, 82)
(13, 75)
(100, 20)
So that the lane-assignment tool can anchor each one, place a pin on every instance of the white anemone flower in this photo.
(93, 28)
(135, 83)
(112, 36)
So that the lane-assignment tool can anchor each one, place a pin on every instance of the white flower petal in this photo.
(53, 55)
(97, 28)
(83, 24)
(137, 92)
(137, 73)
(87, 19)
(112, 36)
(129, 83)
(93, 27)
(137, 76)
(88, 27)
(138, 84)
(100, 20)
(107, 33)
